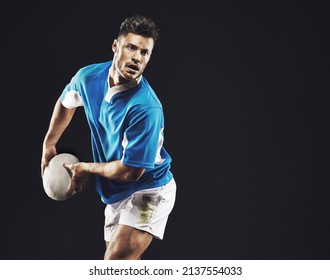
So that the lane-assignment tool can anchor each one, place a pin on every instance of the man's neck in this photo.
(115, 79)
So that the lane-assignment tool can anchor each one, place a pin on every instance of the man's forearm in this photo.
(114, 170)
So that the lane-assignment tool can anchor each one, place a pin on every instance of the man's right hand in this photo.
(48, 152)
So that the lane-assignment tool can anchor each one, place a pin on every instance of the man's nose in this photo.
(136, 57)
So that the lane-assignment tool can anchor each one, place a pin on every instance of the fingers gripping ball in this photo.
(56, 178)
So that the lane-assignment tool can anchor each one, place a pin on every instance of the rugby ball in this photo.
(56, 178)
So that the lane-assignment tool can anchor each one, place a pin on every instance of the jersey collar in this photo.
(120, 88)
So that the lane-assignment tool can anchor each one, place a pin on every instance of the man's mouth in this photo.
(133, 67)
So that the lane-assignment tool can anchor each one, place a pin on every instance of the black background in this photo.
(245, 90)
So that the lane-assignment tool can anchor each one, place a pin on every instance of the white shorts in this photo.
(146, 210)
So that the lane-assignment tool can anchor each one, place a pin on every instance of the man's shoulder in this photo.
(146, 97)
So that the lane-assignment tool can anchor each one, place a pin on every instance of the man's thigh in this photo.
(127, 243)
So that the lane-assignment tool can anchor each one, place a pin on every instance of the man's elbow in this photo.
(133, 177)
(134, 174)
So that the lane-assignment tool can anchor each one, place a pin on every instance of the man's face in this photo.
(131, 56)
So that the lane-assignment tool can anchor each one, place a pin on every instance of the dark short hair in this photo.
(139, 25)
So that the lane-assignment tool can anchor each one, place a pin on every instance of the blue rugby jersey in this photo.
(126, 123)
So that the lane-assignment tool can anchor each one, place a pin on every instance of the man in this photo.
(126, 120)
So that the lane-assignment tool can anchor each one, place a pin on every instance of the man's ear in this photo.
(115, 45)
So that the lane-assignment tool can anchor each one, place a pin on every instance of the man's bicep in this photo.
(132, 173)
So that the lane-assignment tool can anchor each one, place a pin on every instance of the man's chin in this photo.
(129, 77)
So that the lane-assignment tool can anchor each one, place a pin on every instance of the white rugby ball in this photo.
(57, 179)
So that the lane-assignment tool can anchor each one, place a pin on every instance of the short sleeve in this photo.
(142, 138)
(70, 96)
